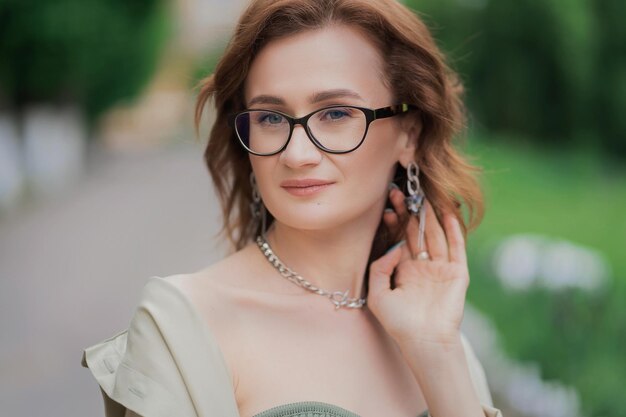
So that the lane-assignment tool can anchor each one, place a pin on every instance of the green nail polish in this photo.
(392, 185)
(400, 243)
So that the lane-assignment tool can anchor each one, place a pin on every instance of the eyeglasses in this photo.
(335, 129)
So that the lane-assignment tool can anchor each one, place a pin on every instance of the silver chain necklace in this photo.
(338, 298)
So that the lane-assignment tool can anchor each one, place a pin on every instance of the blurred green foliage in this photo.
(548, 72)
(205, 66)
(554, 70)
(577, 337)
(94, 52)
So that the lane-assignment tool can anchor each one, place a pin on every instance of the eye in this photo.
(270, 118)
(335, 114)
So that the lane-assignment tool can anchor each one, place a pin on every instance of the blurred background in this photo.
(102, 185)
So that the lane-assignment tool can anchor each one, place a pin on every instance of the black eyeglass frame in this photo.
(370, 116)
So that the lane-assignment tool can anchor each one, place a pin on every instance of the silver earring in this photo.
(256, 206)
(415, 204)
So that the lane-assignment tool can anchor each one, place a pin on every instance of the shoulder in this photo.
(235, 287)
(215, 286)
(140, 368)
(225, 275)
(167, 362)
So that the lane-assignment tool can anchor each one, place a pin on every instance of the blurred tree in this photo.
(553, 70)
(609, 105)
(90, 52)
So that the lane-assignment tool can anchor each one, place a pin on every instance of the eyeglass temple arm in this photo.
(384, 112)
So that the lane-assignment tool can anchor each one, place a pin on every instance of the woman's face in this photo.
(298, 74)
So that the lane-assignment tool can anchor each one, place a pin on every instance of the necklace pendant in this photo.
(339, 299)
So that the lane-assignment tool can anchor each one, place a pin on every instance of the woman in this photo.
(326, 110)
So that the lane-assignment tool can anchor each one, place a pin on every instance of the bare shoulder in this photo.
(241, 289)
(223, 291)
(232, 271)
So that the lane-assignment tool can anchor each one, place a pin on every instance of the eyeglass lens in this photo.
(337, 129)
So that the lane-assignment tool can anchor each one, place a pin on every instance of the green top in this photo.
(312, 409)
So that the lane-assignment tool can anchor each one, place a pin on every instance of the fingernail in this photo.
(389, 210)
(392, 185)
(400, 243)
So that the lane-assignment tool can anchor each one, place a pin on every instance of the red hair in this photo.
(415, 72)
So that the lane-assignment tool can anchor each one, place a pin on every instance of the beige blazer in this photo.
(168, 363)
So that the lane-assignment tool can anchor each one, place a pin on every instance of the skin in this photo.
(343, 218)
(403, 351)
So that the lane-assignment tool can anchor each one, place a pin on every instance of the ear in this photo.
(409, 141)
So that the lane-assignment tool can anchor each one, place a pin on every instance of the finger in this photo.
(393, 223)
(456, 241)
(405, 252)
(390, 217)
(435, 237)
(397, 201)
(381, 270)
(412, 227)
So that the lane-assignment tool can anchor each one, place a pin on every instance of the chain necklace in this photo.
(338, 298)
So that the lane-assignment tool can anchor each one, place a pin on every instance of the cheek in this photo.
(369, 174)
(262, 168)
(380, 152)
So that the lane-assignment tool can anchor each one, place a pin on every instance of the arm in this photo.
(424, 310)
(444, 377)
(479, 382)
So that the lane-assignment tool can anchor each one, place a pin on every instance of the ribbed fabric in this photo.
(311, 409)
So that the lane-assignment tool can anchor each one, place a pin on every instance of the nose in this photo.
(300, 150)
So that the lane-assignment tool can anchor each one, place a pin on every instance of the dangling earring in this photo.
(256, 206)
(415, 204)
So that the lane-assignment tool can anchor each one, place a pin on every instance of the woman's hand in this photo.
(425, 309)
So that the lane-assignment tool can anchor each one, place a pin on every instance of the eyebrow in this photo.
(314, 98)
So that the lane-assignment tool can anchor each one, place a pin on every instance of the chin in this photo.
(318, 216)
(314, 218)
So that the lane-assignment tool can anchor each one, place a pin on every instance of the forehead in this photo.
(299, 66)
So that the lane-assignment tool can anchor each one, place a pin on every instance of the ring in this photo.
(423, 255)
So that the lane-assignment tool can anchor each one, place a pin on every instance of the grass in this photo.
(570, 194)
(578, 338)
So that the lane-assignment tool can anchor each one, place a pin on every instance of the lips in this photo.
(305, 187)
(303, 183)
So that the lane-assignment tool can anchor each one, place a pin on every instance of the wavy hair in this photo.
(415, 71)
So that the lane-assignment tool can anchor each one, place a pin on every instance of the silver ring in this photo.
(423, 255)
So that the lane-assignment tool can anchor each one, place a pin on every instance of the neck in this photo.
(333, 260)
